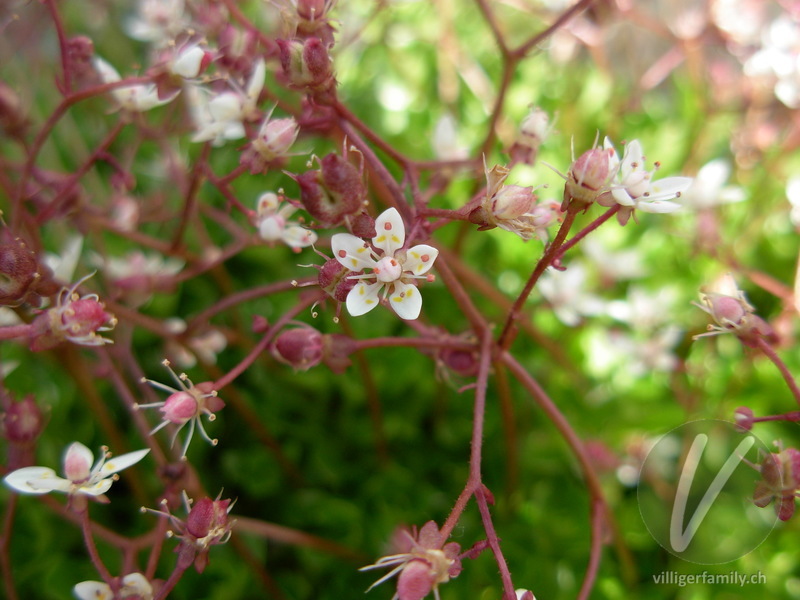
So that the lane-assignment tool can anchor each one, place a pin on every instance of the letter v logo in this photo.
(679, 538)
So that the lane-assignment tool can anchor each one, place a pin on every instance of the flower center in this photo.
(388, 269)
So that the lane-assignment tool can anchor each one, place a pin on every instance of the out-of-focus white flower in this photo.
(272, 219)
(741, 20)
(206, 345)
(134, 586)
(793, 194)
(189, 61)
(779, 57)
(158, 21)
(221, 118)
(644, 355)
(565, 291)
(708, 188)
(642, 310)
(81, 476)
(617, 265)
(445, 139)
(137, 97)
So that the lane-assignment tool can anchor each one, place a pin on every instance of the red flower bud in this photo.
(307, 65)
(300, 348)
(19, 270)
(333, 192)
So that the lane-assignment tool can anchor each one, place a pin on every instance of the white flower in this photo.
(273, 224)
(635, 189)
(564, 290)
(136, 97)
(708, 187)
(81, 476)
(134, 585)
(221, 118)
(394, 269)
(188, 62)
(159, 21)
(793, 194)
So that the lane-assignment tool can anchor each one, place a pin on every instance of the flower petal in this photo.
(391, 232)
(77, 461)
(92, 590)
(351, 252)
(298, 237)
(632, 160)
(117, 463)
(622, 196)
(363, 298)
(33, 480)
(658, 206)
(136, 584)
(96, 488)
(405, 300)
(420, 259)
(671, 187)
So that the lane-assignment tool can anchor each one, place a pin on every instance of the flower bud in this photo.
(306, 64)
(333, 192)
(743, 416)
(190, 61)
(333, 279)
(300, 348)
(363, 226)
(179, 408)
(276, 137)
(513, 201)
(13, 120)
(415, 581)
(23, 421)
(19, 270)
(587, 177)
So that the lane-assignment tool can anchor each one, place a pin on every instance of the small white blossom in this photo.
(708, 188)
(565, 292)
(158, 21)
(137, 97)
(634, 188)
(793, 194)
(394, 269)
(134, 585)
(273, 224)
(189, 61)
(80, 476)
(221, 118)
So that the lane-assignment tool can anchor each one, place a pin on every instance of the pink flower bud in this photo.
(415, 581)
(334, 279)
(333, 192)
(19, 270)
(587, 177)
(179, 408)
(306, 64)
(744, 418)
(201, 518)
(513, 201)
(300, 348)
(726, 310)
(23, 421)
(363, 226)
(77, 466)
(276, 137)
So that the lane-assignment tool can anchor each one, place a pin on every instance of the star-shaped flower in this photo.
(635, 189)
(81, 476)
(393, 269)
(134, 98)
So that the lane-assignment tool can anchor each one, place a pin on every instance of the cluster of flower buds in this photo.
(309, 19)
(733, 314)
(423, 562)
(304, 347)
(334, 192)
(513, 208)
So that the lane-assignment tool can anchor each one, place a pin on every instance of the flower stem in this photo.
(86, 528)
(787, 376)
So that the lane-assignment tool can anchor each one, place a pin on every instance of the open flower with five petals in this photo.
(393, 269)
(80, 476)
(635, 189)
